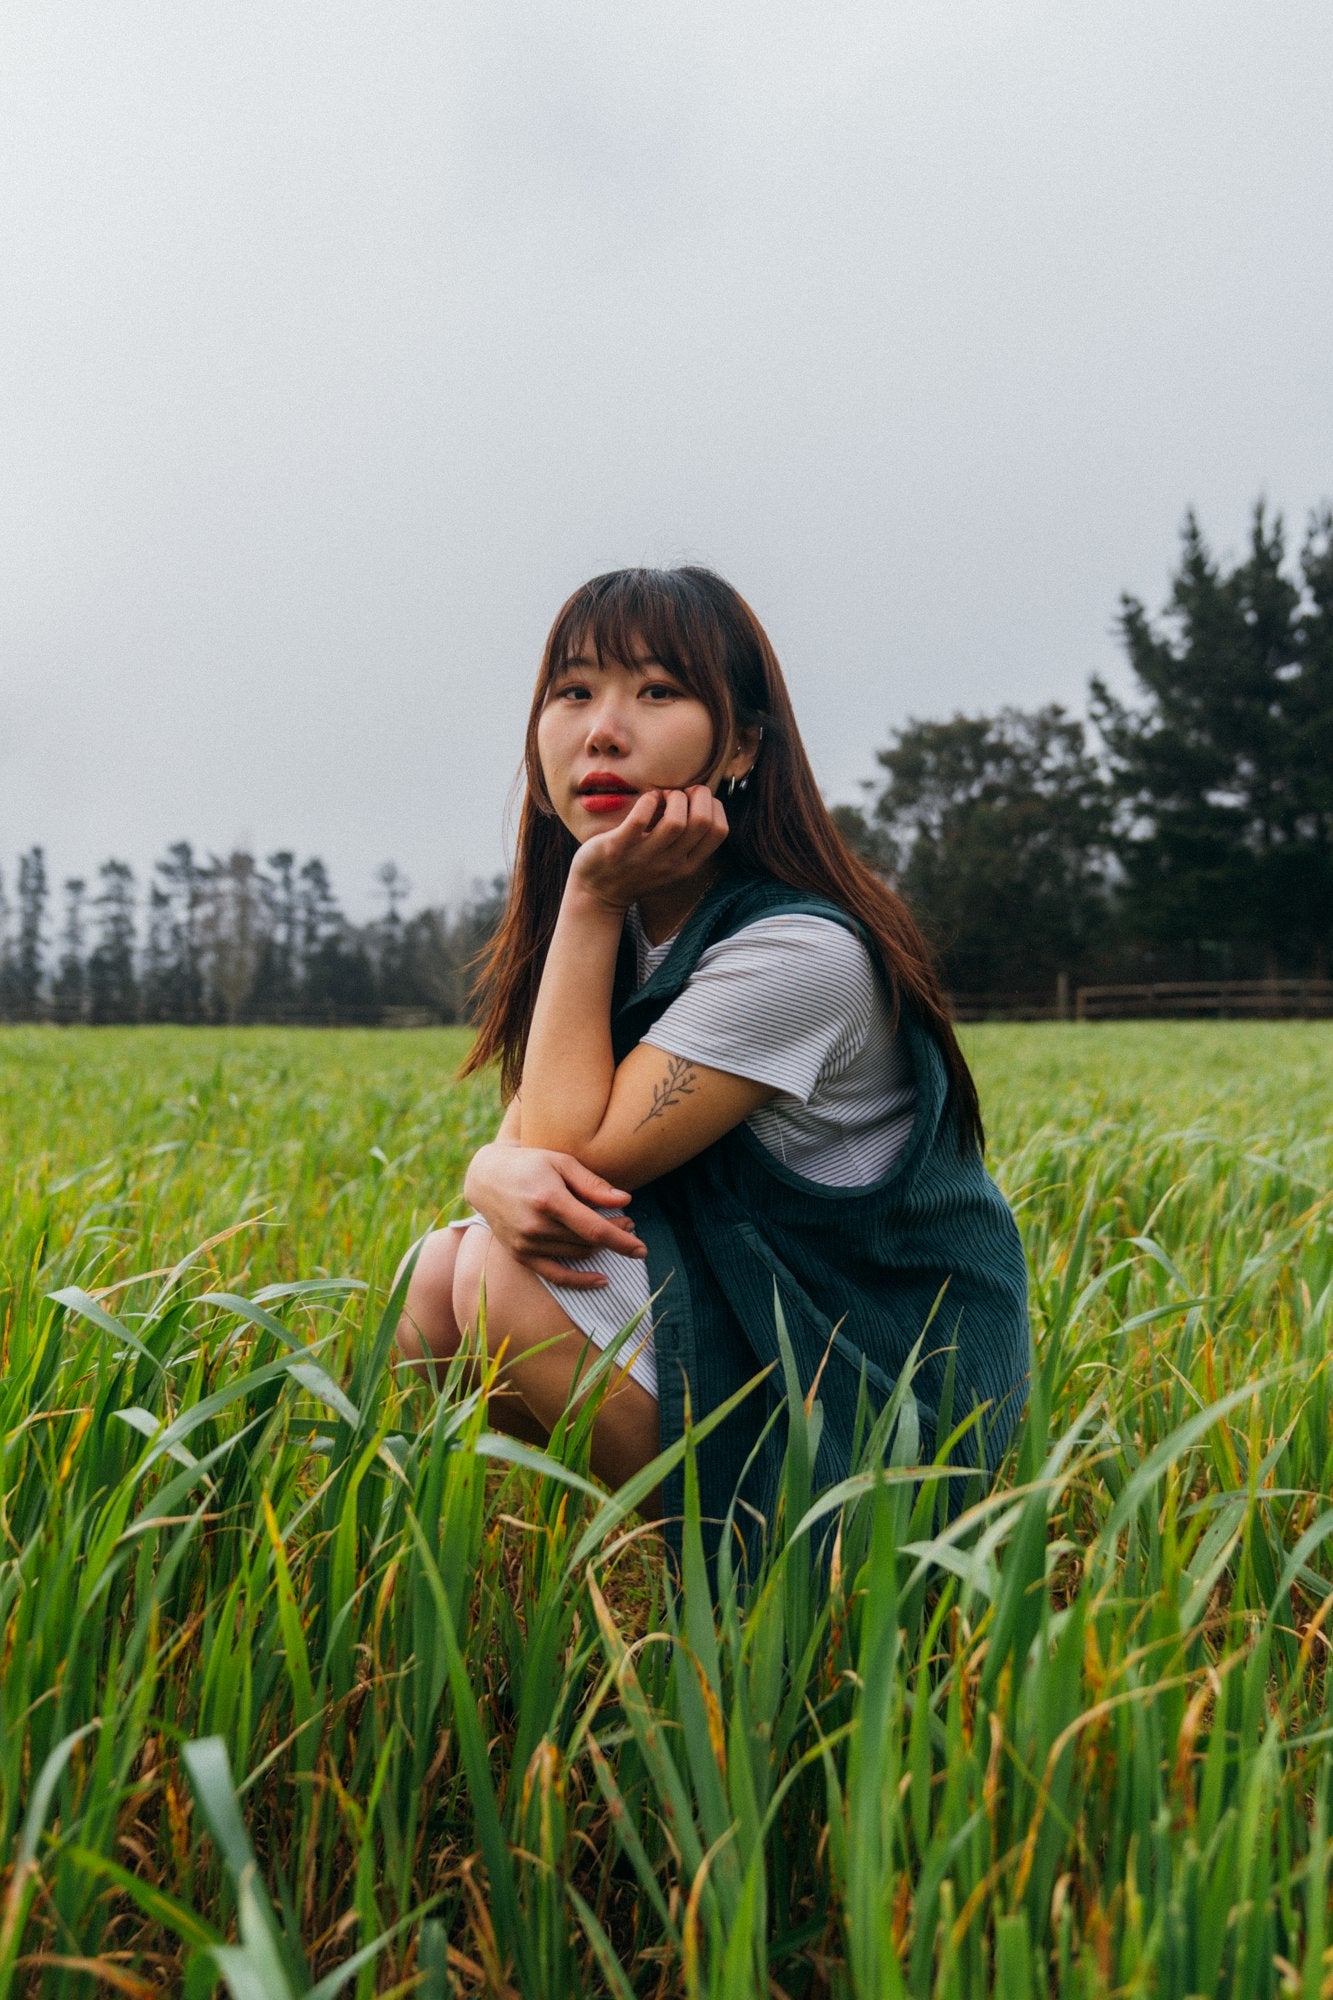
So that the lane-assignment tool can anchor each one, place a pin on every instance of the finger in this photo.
(587, 1185)
(708, 824)
(644, 814)
(586, 1226)
(624, 1244)
(696, 802)
(556, 1242)
(577, 1253)
(715, 833)
(610, 1236)
(620, 1222)
(560, 1274)
(706, 808)
(637, 823)
(553, 1243)
(704, 835)
(675, 815)
(607, 1233)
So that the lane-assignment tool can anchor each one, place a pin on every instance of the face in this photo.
(608, 733)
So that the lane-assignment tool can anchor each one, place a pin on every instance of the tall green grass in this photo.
(313, 1683)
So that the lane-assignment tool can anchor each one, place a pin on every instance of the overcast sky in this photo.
(339, 342)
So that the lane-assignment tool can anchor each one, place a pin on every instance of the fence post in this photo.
(1062, 996)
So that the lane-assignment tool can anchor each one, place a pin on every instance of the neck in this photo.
(664, 911)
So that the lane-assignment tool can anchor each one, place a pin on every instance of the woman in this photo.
(700, 996)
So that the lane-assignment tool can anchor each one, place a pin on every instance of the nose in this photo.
(607, 725)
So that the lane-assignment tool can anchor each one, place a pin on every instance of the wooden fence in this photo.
(1202, 999)
(1164, 1000)
(1008, 1007)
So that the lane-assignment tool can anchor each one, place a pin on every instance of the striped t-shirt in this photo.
(791, 1001)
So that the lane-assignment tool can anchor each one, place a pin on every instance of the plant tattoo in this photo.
(677, 1083)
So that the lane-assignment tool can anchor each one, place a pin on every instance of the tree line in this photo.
(227, 939)
(1183, 833)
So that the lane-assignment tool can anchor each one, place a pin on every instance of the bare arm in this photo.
(661, 1111)
(654, 1111)
(510, 1132)
(543, 1205)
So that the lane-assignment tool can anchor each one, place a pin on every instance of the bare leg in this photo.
(522, 1313)
(427, 1330)
(429, 1334)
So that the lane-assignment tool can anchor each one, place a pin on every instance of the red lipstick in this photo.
(604, 792)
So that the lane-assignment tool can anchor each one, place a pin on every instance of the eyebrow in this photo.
(635, 666)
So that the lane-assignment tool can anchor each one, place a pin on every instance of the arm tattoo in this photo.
(677, 1083)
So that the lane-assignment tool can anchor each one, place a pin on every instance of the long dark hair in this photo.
(705, 634)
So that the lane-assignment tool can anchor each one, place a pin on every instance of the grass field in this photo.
(309, 1687)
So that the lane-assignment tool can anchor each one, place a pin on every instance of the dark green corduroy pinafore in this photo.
(859, 1270)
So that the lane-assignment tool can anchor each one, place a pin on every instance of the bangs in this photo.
(651, 612)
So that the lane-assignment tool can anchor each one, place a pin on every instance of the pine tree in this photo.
(174, 973)
(113, 994)
(276, 979)
(69, 992)
(28, 956)
(1220, 832)
(387, 936)
(6, 956)
(1311, 709)
(323, 928)
(156, 981)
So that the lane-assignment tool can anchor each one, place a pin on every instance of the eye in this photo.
(569, 691)
(660, 691)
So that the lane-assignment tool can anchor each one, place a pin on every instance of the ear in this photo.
(745, 744)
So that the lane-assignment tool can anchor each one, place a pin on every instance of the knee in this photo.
(426, 1325)
(468, 1277)
(488, 1290)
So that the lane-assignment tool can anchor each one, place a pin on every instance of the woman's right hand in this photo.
(542, 1207)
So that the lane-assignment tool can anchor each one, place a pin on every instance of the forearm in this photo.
(510, 1131)
(569, 1066)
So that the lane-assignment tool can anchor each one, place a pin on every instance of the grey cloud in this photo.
(342, 342)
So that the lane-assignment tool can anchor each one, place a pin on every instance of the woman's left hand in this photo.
(665, 838)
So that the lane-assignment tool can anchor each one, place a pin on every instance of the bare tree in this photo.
(233, 930)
